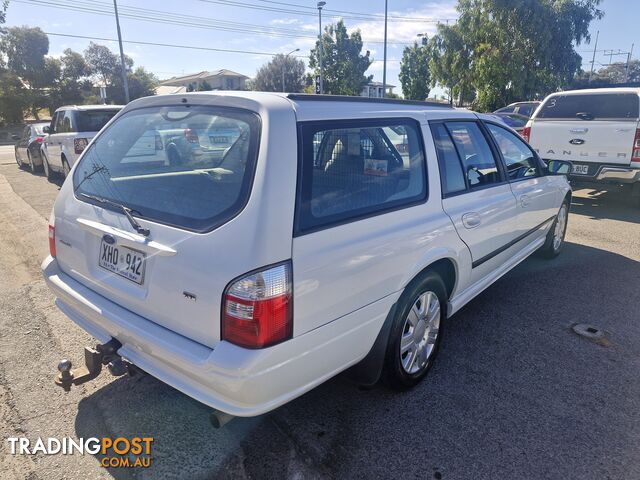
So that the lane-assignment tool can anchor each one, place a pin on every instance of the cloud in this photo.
(285, 21)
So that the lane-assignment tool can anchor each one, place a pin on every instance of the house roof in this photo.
(200, 76)
(379, 84)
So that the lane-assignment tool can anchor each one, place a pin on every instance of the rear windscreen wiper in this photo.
(126, 210)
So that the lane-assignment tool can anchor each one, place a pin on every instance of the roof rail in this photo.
(347, 98)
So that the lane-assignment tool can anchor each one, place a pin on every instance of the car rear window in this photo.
(168, 165)
(600, 106)
(93, 120)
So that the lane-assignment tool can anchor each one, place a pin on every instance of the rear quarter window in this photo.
(357, 168)
(600, 106)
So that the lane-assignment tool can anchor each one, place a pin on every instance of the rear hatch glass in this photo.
(604, 106)
(186, 166)
(94, 120)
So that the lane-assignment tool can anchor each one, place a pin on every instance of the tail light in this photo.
(635, 155)
(257, 309)
(39, 139)
(191, 136)
(52, 241)
(526, 133)
(79, 144)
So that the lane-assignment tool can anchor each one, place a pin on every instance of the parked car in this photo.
(521, 108)
(27, 148)
(598, 130)
(70, 131)
(313, 246)
(514, 120)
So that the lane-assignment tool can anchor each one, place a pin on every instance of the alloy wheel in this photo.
(420, 333)
(561, 224)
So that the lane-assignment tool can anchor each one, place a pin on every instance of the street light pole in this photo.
(122, 66)
(320, 5)
(593, 59)
(384, 66)
(284, 64)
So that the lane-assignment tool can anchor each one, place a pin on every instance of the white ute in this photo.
(332, 232)
(598, 130)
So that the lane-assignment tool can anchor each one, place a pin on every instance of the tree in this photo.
(343, 64)
(74, 65)
(518, 49)
(3, 13)
(270, 75)
(450, 62)
(414, 71)
(25, 49)
(104, 64)
(141, 84)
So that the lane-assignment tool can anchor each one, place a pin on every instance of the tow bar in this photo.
(94, 359)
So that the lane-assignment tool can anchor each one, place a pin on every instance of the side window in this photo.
(60, 122)
(26, 133)
(54, 123)
(451, 175)
(479, 165)
(356, 168)
(519, 159)
(67, 121)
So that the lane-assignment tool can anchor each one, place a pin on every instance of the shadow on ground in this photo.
(606, 204)
(514, 394)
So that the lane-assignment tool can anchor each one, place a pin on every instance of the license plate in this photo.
(580, 169)
(123, 261)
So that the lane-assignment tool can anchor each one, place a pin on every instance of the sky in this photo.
(258, 29)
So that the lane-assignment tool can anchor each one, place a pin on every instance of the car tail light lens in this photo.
(52, 241)
(39, 139)
(635, 155)
(191, 136)
(79, 144)
(257, 309)
(526, 133)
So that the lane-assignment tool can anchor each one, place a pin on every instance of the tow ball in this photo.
(94, 359)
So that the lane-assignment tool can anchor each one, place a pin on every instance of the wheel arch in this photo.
(369, 369)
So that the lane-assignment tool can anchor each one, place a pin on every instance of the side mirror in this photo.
(46, 129)
(559, 167)
(15, 137)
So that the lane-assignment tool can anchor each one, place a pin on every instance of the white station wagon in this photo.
(332, 232)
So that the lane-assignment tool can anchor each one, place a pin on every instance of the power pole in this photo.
(320, 5)
(593, 59)
(626, 70)
(384, 66)
(122, 65)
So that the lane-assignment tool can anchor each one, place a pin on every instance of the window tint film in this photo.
(169, 165)
(591, 107)
(451, 175)
(477, 159)
(358, 169)
(519, 159)
(93, 121)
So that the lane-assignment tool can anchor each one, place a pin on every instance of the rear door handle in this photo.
(471, 220)
(524, 200)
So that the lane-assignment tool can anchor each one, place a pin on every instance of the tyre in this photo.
(65, 167)
(47, 169)
(416, 332)
(32, 166)
(18, 160)
(555, 237)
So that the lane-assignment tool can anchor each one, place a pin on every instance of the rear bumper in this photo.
(229, 378)
(618, 174)
(608, 173)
